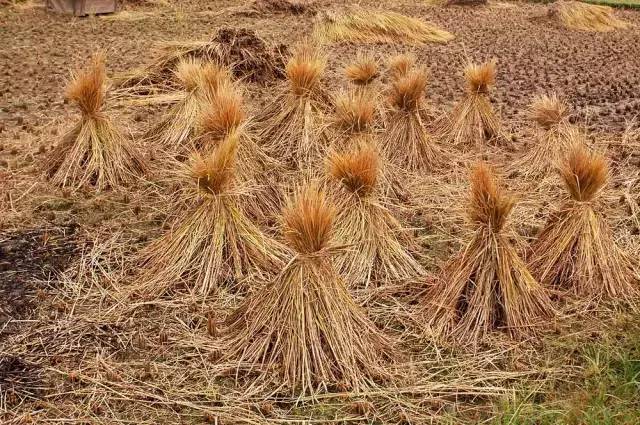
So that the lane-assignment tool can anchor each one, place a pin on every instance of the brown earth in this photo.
(598, 73)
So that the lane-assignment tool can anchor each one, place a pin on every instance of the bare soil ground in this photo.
(75, 349)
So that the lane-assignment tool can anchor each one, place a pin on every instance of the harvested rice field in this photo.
(310, 211)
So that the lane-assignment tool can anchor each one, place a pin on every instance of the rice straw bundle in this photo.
(586, 17)
(487, 286)
(212, 242)
(377, 26)
(379, 245)
(291, 126)
(363, 71)
(223, 116)
(400, 65)
(199, 82)
(551, 113)
(93, 151)
(473, 121)
(576, 251)
(304, 325)
(406, 141)
(353, 120)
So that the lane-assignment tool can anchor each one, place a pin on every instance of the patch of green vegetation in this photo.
(607, 391)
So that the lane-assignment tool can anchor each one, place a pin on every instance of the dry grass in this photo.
(377, 26)
(363, 71)
(487, 287)
(406, 141)
(291, 126)
(586, 17)
(473, 122)
(380, 249)
(212, 243)
(576, 251)
(93, 151)
(304, 325)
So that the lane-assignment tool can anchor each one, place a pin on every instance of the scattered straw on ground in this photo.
(372, 26)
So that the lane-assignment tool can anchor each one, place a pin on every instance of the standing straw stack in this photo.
(212, 242)
(93, 151)
(378, 244)
(291, 126)
(487, 287)
(551, 113)
(304, 327)
(576, 251)
(473, 122)
(199, 81)
(362, 72)
(406, 141)
(222, 117)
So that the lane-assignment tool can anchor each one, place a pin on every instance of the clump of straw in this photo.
(199, 81)
(291, 125)
(400, 65)
(378, 244)
(212, 242)
(586, 17)
(94, 151)
(487, 286)
(576, 251)
(353, 119)
(406, 140)
(473, 120)
(303, 327)
(363, 71)
(223, 116)
(377, 26)
(551, 113)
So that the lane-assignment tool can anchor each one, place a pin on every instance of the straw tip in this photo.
(308, 220)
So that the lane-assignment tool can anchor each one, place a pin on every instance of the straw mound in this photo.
(291, 126)
(371, 26)
(586, 17)
(212, 242)
(487, 286)
(377, 243)
(353, 119)
(406, 141)
(473, 122)
(576, 251)
(93, 151)
(304, 327)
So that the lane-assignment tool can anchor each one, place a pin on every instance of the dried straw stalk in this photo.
(551, 113)
(212, 242)
(576, 251)
(291, 126)
(199, 83)
(487, 286)
(93, 151)
(378, 244)
(304, 325)
(406, 141)
(473, 122)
